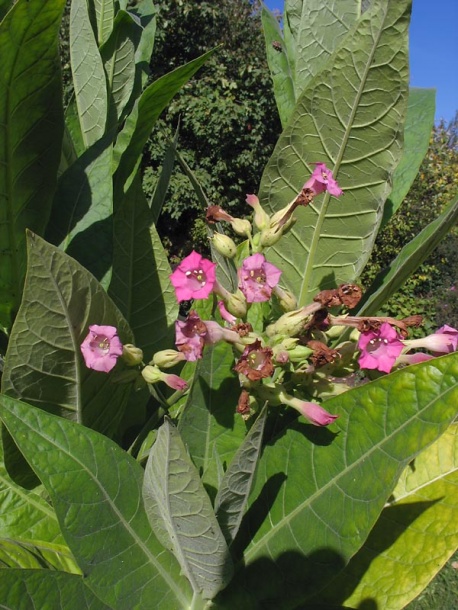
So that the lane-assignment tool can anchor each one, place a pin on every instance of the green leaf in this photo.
(392, 278)
(139, 124)
(350, 117)
(318, 29)
(43, 364)
(162, 185)
(36, 554)
(145, 12)
(81, 221)
(140, 285)
(181, 514)
(95, 488)
(417, 131)
(414, 536)
(281, 70)
(5, 6)
(318, 494)
(209, 421)
(105, 14)
(88, 74)
(31, 128)
(25, 589)
(235, 487)
(118, 55)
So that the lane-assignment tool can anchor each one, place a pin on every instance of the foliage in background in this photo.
(227, 118)
(432, 289)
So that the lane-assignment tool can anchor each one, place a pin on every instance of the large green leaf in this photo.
(209, 422)
(36, 554)
(88, 74)
(318, 494)
(392, 278)
(235, 486)
(81, 220)
(43, 364)
(31, 128)
(181, 514)
(118, 55)
(142, 119)
(414, 536)
(96, 488)
(350, 117)
(318, 29)
(105, 15)
(25, 589)
(281, 70)
(417, 131)
(140, 284)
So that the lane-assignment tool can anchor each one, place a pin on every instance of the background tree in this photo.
(227, 117)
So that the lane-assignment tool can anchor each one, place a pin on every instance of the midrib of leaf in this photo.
(150, 557)
(321, 217)
(422, 486)
(334, 481)
(28, 498)
(207, 456)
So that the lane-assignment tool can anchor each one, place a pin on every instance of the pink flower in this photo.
(257, 278)
(193, 278)
(227, 317)
(321, 180)
(415, 358)
(174, 382)
(313, 412)
(101, 348)
(255, 362)
(443, 341)
(380, 348)
(190, 336)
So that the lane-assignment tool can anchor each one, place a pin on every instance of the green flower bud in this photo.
(288, 324)
(224, 245)
(167, 358)
(132, 355)
(287, 300)
(241, 226)
(236, 304)
(151, 374)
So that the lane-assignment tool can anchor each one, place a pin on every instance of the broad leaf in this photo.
(235, 486)
(318, 29)
(118, 55)
(81, 220)
(105, 14)
(417, 131)
(414, 536)
(95, 488)
(318, 494)
(392, 278)
(162, 184)
(281, 70)
(36, 554)
(209, 421)
(350, 117)
(140, 285)
(145, 12)
(31, 128)
(181, 514)
(142, 119)
(25, 589)
(88, 74)
(44, 365)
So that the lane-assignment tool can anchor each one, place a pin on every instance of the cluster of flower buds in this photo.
(303, 354)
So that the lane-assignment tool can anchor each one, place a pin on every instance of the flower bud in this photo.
(131, 355)
(167, 358)
(241, 226)
(287, 300)
(288, 324)
(224, 245)
(261, 218)
(236, 304)
(151, 374)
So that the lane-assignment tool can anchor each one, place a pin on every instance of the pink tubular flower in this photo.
(193, 278)
(443, 341)
(380, 348)
(313, 412)
(190, 336)
(257, 277)
(227, 317)
(101, 348)
(321, 180)
(174, 382)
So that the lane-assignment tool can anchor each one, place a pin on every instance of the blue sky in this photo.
(433, 50)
